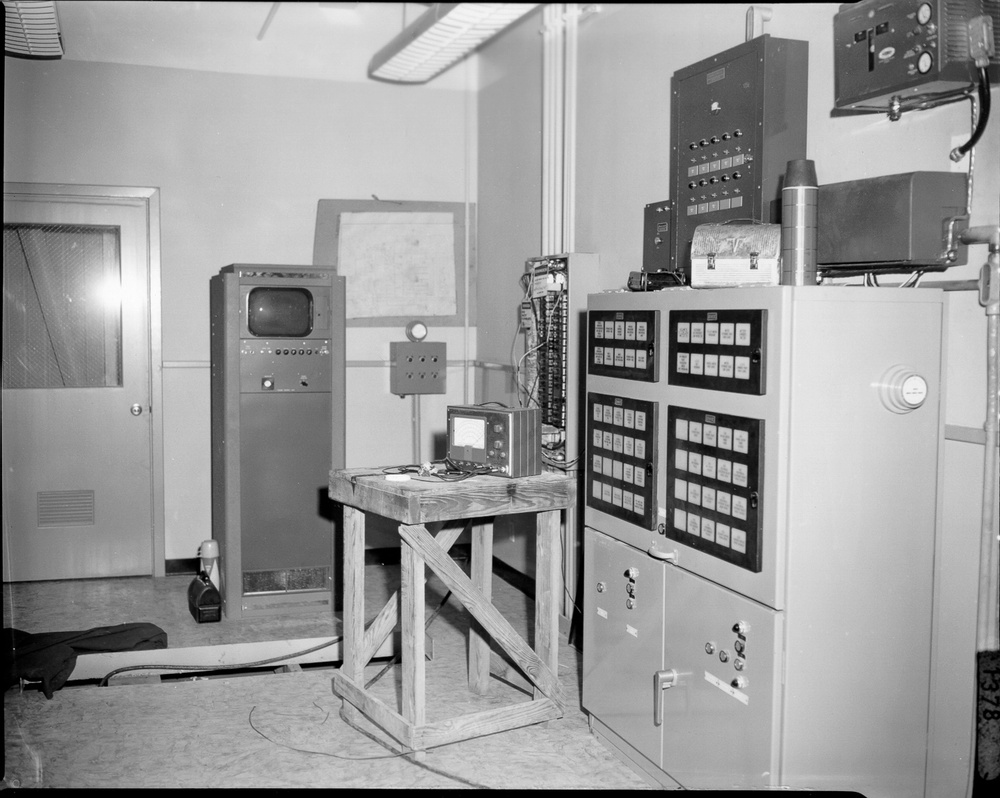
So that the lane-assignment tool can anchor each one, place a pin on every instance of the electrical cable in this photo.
(392, 754)
(984, 115)
(395, 657)
(445, 469)
(216, 666)
(516, 364)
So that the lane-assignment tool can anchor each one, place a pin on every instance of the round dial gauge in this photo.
(902, 389)
(924, 13)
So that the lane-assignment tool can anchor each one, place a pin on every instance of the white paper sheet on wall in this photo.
(398, 264)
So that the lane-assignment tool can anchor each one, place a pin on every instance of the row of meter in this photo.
(762, 541)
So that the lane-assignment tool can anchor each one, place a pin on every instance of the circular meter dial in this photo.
(902, 390)
(924, 13)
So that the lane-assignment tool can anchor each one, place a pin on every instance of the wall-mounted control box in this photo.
(417, 367)
(896, 48)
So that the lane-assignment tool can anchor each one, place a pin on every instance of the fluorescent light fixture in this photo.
(31, 30)
(439, 37)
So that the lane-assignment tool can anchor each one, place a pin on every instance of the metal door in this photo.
(720, 704)
(77, 471)
(623, 640)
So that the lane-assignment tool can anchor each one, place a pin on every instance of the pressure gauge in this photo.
(924, 13)
(416, 331)
(924, 63)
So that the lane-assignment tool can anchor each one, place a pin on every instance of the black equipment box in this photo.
(891, 222)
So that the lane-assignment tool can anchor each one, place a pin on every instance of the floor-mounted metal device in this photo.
(277, 342)
(763, 538)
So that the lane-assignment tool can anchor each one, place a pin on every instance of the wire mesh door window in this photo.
(62, 323)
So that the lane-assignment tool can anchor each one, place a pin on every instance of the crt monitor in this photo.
(279, 312)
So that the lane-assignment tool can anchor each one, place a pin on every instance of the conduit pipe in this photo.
(988, 619)
(553, 95)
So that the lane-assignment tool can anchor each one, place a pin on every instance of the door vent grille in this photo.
(65, 508)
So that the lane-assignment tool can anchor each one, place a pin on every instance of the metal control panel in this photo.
(623, 344)
(622, 435)
(715, 476)
(729, 636)
(736, 119)
(722, 350)
(898, 48)
(282, 365)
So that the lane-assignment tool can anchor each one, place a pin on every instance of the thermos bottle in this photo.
(799, 199)
(209, 553)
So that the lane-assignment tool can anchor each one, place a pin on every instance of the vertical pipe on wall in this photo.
(553, 89)
(988, 628)
(569, 131)
(546, 123)
(470, 86)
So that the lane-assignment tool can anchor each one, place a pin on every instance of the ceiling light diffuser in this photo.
(441, 36)
(31, 29)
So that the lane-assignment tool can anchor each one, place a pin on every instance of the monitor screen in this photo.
(279, 312)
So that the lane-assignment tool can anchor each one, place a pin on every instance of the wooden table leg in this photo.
(353, 632)
(411, 594)
(482, 577)
(548, 589)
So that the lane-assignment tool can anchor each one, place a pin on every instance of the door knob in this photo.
(136, 409)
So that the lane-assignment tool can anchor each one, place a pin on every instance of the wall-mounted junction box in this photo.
(417, 367)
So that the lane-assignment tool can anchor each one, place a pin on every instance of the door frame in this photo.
(150, 197)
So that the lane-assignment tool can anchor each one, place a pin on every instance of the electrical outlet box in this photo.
(417, 367)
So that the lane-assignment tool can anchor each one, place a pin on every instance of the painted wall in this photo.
(241, 162)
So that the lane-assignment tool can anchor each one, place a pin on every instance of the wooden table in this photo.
(415, 503)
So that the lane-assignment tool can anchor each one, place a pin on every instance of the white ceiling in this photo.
(326, 41)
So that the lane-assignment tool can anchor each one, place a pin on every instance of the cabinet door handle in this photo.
(661, 681)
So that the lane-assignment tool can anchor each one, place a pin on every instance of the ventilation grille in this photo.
(955, 35)
(66, 508)
(290, 580)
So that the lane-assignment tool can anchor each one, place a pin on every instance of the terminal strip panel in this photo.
(550, 308)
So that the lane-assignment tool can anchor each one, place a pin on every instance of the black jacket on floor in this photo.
(50, 657)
